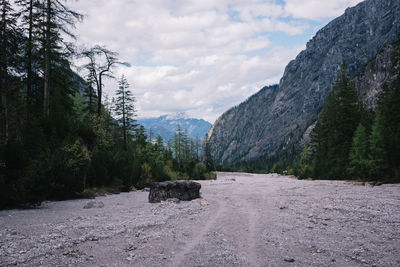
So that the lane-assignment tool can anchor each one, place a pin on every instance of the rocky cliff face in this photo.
(279, 117)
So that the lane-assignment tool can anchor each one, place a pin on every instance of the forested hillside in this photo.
(352, 141)
(59, 136)
(275, 127)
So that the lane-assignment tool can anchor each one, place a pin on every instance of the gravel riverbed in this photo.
(241, 220)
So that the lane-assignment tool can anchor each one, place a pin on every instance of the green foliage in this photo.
(125, 109)
(372, 155)
(377, 152)
(389, 110)
(277, 168)
(200, 170)
(333, 133)
(305, 167)
(58, 143)
(358, 156)
(208, 157)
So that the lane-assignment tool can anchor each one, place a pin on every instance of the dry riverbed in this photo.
(242, 220)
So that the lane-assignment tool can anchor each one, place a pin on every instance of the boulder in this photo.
(182, 190)
(93, 204)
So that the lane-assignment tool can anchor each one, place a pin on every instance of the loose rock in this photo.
(289, 260)
(93, 204)
(182, 190)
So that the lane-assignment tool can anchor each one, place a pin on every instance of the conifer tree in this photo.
(140, 136)
(208, 160)
(177, 146)
(333, 134)
(30, 18)
(159, 143)
(8, 44)
(389, 109)
(359, 153)
(56, 18)
(125, 108)
(90, 98)
(377, 151)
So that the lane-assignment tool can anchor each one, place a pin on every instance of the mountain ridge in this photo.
(355, 38)
(167, 125)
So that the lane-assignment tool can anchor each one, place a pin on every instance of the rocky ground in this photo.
(242, 220)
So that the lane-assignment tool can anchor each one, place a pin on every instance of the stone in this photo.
(288, 259)
(93, 204)
(182, 190)
(203, 202)
(173, 200)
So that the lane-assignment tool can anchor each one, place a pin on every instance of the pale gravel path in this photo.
(253, 220)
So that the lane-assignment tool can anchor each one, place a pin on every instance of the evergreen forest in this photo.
(60, 136)
(350, 141)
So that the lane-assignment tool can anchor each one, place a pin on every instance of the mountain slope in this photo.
(166, 126)
(270, 124)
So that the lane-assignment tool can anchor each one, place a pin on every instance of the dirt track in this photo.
(242, 220)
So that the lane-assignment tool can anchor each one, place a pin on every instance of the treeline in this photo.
(351, 142)
(59, 136)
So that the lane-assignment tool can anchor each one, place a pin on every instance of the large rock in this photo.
(93, 204)
(182, 190)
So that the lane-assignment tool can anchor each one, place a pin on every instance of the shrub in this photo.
(200, 170)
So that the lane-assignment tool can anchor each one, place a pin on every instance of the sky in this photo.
(200, 57)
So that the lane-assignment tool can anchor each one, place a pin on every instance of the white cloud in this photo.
(201, 57)
(317, 9)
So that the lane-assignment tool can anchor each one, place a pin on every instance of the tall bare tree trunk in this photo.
(29, 94)
(4, 104)
(3, 71)
(46, 93)
(124, 118)
(99, 93)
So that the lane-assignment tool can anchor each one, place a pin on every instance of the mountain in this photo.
(277, 121)
(166, 126)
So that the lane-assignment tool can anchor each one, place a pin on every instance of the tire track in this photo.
(252, 237)
(180, 257)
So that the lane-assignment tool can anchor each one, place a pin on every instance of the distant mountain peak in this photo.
(177, 116)
(167, 125)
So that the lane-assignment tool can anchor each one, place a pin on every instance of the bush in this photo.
(211, 176)
(200, 170)
(277, 168)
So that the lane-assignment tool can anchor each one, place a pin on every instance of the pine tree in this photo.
(208, 159)
(177, 146)
(56, 18)
(389, 110)
(90, 98)
(30, 18)
(125, 108)
(377, 151)
(8, 44)
(333, 134)
(140, 136)
(159, 145)
(359, 153)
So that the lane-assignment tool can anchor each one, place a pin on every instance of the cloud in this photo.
(317, 9)
(201, 57)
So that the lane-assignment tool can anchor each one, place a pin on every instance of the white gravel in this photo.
(242, 220)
